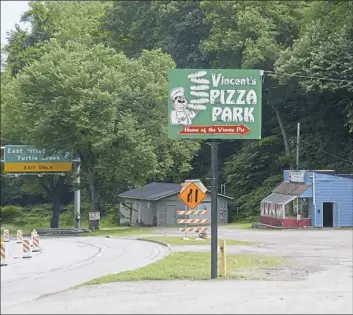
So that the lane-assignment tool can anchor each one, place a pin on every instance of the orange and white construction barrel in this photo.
(27, 251)
(36, 247)
(3, 254)
(19, 236)
(6, 236)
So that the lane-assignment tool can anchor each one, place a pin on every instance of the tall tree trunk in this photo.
(54, 223)
(93, 224)
(285, 138)
(53, 191)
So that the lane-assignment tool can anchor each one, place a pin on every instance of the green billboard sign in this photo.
(214, 104)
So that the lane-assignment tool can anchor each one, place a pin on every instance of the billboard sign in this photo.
(214, 104)
(297, 177)
(29, 159)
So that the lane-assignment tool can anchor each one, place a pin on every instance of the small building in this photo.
(310, 198)
(155, 204)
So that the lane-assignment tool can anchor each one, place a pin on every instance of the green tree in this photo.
(249, 34)
(176, 27)
(10, 188)
(51, 186)
(329, 32)
(73, 20)
(252, 34)
(247, 171)
(106, 107)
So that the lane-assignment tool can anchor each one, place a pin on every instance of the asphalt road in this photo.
(66, 262)
(319, 280)
(322, 294)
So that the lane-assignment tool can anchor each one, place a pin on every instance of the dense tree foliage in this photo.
(177, 27)
(92, 77)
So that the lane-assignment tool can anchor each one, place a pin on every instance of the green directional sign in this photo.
(214, 104)
(25, 153)
(28, 158)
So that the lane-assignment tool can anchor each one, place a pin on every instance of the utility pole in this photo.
(214, 217)
(298, 142)
(77, 202)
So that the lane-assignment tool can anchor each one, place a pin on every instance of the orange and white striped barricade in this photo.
(3, 254)
(27, 251)
(36, 247)
(199, 221)
(33, 233)
(19, 236)
(6, 236)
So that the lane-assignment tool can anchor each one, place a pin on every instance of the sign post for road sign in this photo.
(214, 104)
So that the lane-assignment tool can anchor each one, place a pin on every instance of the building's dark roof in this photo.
(155, 191)
(294, 189)
(152, 191)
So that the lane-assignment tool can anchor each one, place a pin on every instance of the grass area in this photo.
(240, 225)
(177, 240)
(122, 231)
(190, 266)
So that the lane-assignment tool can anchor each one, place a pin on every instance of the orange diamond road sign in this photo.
(192, 195)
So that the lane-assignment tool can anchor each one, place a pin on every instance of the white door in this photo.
(162, 217)
(171, 215)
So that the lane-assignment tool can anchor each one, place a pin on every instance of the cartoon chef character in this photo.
(181, 114)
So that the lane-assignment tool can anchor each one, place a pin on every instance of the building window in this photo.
(305, 205)
(291, 211)
(302, 206)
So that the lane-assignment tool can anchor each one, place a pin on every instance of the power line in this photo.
(311, 77)
(328, 153)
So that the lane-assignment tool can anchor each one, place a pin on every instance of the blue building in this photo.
(316, 198)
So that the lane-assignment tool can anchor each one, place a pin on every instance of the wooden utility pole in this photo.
(298, 142)
(222, 258)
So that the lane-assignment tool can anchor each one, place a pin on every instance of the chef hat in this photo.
(179, 91)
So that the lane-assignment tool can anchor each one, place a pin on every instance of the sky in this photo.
(11, 12)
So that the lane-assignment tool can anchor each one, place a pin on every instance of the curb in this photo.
(156, 242)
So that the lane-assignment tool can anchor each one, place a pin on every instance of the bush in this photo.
(249, 204)
(39, 215)
(11, 213)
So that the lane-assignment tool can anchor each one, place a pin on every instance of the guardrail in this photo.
(61, 231)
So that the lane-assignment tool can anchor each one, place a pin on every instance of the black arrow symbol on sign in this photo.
(189, 197)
